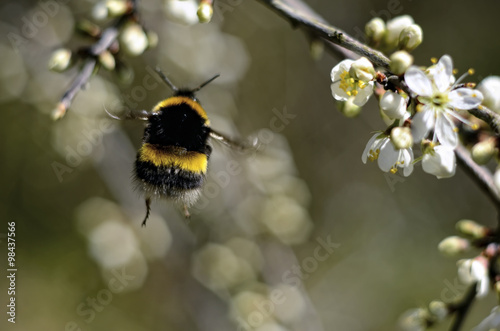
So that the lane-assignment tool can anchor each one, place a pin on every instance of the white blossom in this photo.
(380, 148)
(440, 162)
(490, 87)
(435, 90)
(344, 85)
(393, 105)
(474, 270)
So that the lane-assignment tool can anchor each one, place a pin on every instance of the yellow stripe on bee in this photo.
(175, 101)
(176, 157)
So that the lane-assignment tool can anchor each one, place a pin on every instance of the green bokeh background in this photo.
(387, 261)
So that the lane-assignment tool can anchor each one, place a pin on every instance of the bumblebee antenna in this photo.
(166, 80)
(205, 84)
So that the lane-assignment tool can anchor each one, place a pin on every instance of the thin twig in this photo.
(106, 40)
(489, 116)
(299, 14)
(462, 308)
(481, 175)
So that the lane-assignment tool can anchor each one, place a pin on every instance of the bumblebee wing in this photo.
(229, 142)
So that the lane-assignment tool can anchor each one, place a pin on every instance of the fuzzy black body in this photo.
(173, 159)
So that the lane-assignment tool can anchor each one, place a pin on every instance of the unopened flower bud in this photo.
(471, 228)
(107, 60)
(411, 37)
(133, 39)
(393, 105)
(490, 87)
(401, 137)
(394, 28)
(152, 39)
(414, 319)
(348, 108)
(483, 151)
(88, 28)
(375, 29)
(100, 11)
(58, 112)
(400, 62)
(316, 48)
(454, 245)
(362, 69)
(60, 60)
(182, 11)
(438, 309)
(116, 7)
(205, 12)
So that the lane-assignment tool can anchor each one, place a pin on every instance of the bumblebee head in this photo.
(183, 92)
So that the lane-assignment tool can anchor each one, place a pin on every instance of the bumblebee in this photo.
(173, 160)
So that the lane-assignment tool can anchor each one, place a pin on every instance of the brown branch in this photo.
(481, 175)
(106, 40)
(462, 308)
(489, 116)
(300, 14)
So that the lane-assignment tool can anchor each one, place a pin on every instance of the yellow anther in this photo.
(348, 93)
(455, 129)
(355, 92)
(394, 170)
(474, 126)
(471, 71)
(434, 60)
(419, 107)
(455, 71)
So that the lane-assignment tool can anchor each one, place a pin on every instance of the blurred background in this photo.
(300, 236)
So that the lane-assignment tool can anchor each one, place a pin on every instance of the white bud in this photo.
(362, 69)
(375, 29)
(439, 309)
(471, 228)
(116, 7)
(483, 151)
(490, 87)
(100, 11)
(182, 11)
(133, 39)
(411, 37)
(60, 60)
(401, 137)
(348, 108)
(394, 28)
(205, 12)
(474, 270)
(107, 60)
(414, 320)
(152, 39)
(400, 62)
(393, 105)
(454, 245)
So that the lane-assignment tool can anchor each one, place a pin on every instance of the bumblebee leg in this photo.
(229, 142)
(148, 210)
(186, 212)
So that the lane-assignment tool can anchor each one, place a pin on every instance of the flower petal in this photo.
(443, 73)
(338, 93)
(441, 163)
(369, 145)
(408, 162)
(388, 156)
(421, 124)
(341, 67)
(445, 131)
(418, 82)
(363, 95)
(465, 98)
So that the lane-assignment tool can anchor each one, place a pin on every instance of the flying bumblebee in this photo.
(173, 159)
